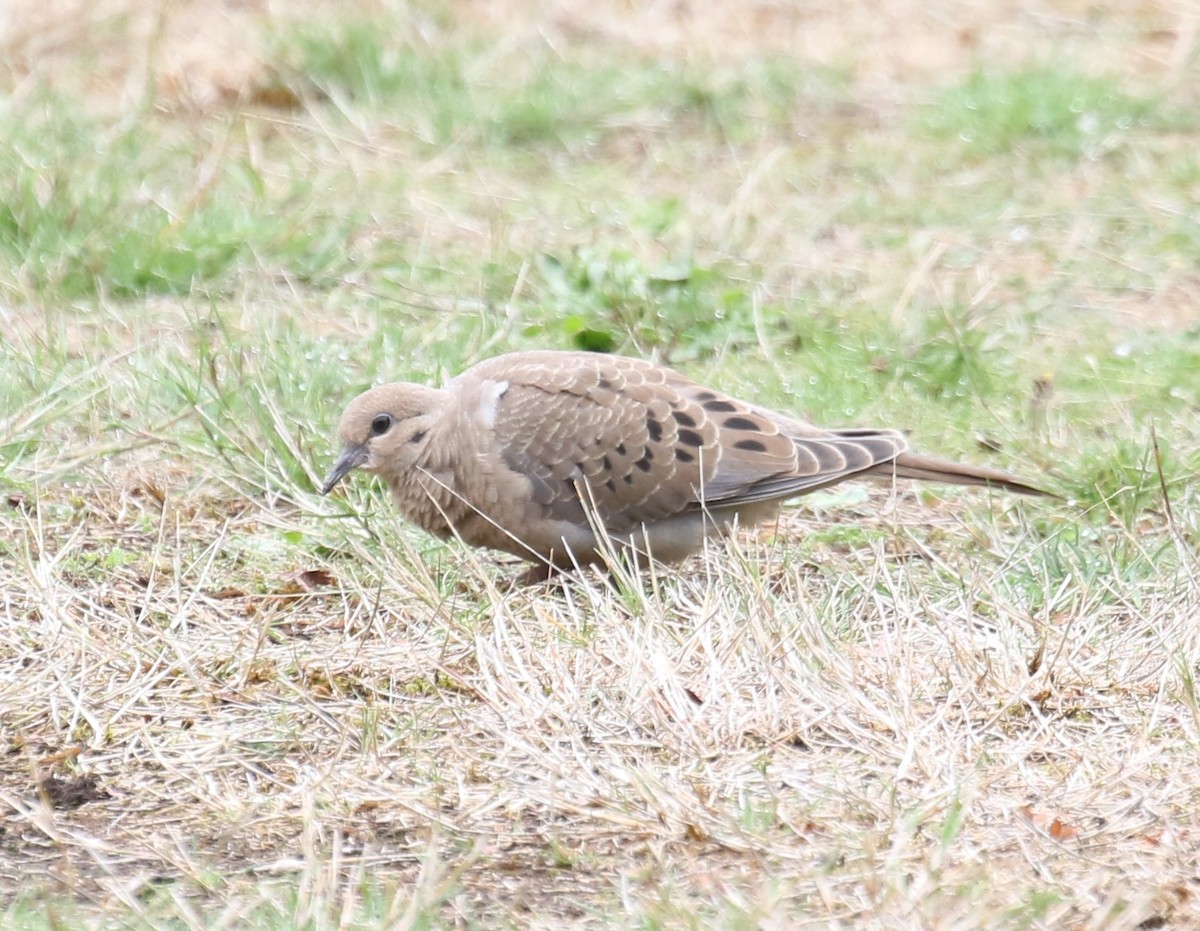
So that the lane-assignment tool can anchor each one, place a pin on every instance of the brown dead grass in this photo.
(202, 55)
(796, 735)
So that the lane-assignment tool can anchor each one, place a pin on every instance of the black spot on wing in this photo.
(654, 428)
(683, 455)
(716, 405)
(684, 419)
(751, 446)
(742, 423)
(691, 438)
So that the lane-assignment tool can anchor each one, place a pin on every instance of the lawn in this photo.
(229, 702)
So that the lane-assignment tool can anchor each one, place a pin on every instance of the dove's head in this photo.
(384, 430)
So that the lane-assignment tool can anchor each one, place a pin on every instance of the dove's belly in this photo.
(566, 543)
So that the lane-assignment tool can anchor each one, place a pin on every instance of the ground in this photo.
(226, 701)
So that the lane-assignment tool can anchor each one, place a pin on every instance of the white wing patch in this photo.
(489, 400)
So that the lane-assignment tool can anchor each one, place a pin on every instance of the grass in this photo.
(443, 93)
(264, 708)
(190, 216)
(1054, 109)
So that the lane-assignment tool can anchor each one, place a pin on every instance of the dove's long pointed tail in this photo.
(931, 469)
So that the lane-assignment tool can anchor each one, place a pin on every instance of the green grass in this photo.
(679, 309)
(89, 209)
(448, 93)
(1051, 109)
(310, 715)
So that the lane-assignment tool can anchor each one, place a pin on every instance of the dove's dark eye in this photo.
(381, 424)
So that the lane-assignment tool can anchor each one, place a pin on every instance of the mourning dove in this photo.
(549, 454)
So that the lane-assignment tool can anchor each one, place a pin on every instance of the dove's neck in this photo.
(426, 488)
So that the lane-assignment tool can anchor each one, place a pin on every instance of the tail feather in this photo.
(931, 469)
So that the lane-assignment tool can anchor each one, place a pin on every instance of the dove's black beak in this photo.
(351, 458)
